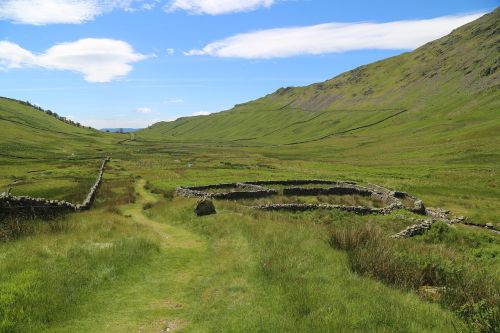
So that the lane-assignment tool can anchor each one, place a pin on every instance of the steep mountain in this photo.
(31, 132)
(445, 91)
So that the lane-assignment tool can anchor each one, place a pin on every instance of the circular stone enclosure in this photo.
(386, 200)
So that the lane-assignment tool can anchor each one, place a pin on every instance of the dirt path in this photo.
(169, 236)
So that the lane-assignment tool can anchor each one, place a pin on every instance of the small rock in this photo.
(205, 207)
(489, 225)
(431, 292)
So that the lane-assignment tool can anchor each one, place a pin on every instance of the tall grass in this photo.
(49, 290)
(12, 228)
(469, 290)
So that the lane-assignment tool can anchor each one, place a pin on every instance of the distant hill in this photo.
(120, 130)
(447, 90)
(29, 131)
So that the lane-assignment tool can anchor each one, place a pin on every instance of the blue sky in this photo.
(130, 63)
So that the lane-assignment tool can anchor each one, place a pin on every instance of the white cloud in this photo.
(99, 60)
(14, 56)
(41, 12)
(201, 113)
(148, 5)
(143, 110)
(170, 52)
(333, 38)
(217, 7)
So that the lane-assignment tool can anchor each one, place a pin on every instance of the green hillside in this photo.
(42, 155)
(28, 132)
(446, 90)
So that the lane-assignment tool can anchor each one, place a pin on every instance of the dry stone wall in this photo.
(261, 189)
(393, 199)
(294, 182)
(305, 207)
(344, 189)
(241, 191)
(414, 230)
(31, 207)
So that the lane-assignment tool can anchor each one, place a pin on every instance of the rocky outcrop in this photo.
(31, 207)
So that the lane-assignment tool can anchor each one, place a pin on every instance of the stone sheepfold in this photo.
(258, 189)
(29, 206)
(393, 200)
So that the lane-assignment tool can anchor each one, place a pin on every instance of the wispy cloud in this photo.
(217, 7)
(174, 101)
(99, 60)
(201, 113)
(42, 12)
(143, 110)
(333, 38)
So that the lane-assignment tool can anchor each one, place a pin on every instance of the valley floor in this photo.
(141, 261)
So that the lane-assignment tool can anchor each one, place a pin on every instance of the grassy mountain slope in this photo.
(445, 90)
(31, 133)
(44, 156)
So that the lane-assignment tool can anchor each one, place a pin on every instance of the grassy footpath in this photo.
(151, 298)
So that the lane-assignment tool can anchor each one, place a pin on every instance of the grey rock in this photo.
(204, 207)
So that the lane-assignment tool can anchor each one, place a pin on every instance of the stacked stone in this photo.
(417, 229)
(293, 182)
(212, 186)
(438, 213)
(89, 200)
(236, 195)
(247, 191)
(338, 189)
(305, 207)
(26, 205)
(187, 193)
(385, 195)
(393, 199)
(389, 209)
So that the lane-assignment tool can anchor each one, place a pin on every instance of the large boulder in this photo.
(419, 207)
(205, 207)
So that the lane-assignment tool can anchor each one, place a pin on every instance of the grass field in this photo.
(143, 262)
